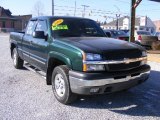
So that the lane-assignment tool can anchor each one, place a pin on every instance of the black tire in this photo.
(67, 97)
(17, 61)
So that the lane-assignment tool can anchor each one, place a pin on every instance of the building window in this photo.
(3, 24)
(12, 24)
(141, 29)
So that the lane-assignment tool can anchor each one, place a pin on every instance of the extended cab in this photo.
(77, 58)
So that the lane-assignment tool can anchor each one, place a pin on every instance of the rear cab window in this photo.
(31, 27)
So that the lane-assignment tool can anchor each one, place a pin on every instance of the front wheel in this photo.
(17, 61)
(60, 85)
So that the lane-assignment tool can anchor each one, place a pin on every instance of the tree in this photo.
(105, 22)
(38, 9)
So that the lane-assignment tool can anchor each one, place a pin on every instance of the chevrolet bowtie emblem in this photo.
(126, 61)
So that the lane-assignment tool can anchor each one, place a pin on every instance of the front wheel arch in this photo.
(52, 64)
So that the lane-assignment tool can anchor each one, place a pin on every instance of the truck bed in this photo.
(18, 36)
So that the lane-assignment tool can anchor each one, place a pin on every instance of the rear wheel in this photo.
(60, 85)
(17, 61)
(136, 42)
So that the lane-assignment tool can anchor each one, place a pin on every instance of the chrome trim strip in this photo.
(88, 83)
(37, 60)
(20, 49)
(26, 54)
(125, 61)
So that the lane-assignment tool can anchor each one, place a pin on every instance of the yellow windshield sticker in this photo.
(60, 27)
(57, 22)
(56, 25)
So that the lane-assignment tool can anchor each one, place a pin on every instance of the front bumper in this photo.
(106, 82)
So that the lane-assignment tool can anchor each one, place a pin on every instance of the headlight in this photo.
(93, 67)
(92, 57)
(144, 53)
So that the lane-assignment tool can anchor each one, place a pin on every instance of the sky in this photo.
(102, 10)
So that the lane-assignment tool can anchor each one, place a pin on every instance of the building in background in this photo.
(157, 24)
(141, 23)
(10, 23)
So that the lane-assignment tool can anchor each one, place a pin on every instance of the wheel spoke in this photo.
(59, 85)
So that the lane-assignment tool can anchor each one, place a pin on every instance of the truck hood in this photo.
(106, 46)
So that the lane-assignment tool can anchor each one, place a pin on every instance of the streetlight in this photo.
(117, 17)
(52, 7)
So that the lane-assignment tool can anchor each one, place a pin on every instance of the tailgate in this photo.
(148, 40)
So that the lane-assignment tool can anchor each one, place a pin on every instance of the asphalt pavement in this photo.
(24, 95)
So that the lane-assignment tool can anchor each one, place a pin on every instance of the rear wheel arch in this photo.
(12, 47)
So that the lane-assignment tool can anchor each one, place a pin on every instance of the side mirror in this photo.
(39, 34)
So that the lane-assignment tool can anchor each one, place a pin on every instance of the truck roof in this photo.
(63, 17)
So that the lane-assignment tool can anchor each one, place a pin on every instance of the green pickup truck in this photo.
(77, 58)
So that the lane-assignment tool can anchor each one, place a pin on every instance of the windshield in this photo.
(143, 33)
(118, 33)
(75, 28)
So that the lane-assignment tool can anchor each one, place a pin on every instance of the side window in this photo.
(41, 26)
(30, 27)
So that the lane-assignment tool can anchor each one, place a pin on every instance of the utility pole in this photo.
(75, 8)
(132, 21)
(134, 4)
(84, 10)
(117, 22)
(52, 7)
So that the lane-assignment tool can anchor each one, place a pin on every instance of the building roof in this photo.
(6, 11)
(113, 23)
(5, 14)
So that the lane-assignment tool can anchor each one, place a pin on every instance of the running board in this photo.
(35, 70)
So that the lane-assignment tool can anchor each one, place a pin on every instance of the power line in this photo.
(123, 1)
(91, 10)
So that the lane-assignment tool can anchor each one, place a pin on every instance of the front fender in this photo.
(60, 57)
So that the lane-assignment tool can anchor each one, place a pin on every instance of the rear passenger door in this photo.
(39, 47)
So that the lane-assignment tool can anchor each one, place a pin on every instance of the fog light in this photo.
(94, 90)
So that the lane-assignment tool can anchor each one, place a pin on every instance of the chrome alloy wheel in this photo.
(59, 85)
(14, 57)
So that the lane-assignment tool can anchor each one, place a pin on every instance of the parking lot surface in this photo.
(24, 95)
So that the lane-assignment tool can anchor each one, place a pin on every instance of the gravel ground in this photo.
(25, 96)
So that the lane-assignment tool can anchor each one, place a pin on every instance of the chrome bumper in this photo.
(82, 86)
(86, 83)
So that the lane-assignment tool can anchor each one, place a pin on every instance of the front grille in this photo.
(122, 67)
(121, 54)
